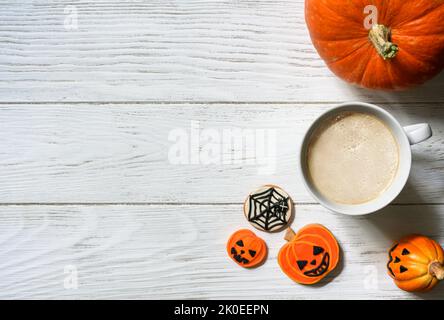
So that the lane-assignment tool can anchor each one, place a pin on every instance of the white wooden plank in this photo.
(89, 153)
(170, 51)
(178, 252)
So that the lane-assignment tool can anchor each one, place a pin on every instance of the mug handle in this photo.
(417, 133)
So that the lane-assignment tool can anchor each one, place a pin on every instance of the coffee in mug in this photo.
(355, 158)
(352, 157)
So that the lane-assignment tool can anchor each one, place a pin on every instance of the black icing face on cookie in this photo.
(311, 259)
(268, 208)
(241, 254)
(320, 269)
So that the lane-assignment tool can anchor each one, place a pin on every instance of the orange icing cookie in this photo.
(309, 255)
(246, 249)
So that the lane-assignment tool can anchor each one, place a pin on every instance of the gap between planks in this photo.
(160, 102)
(178, 204)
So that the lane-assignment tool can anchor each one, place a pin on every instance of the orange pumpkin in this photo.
(379, 44)
(416, 263)
(309, 255)
(246, 249)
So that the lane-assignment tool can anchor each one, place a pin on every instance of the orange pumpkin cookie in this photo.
(246, 249)
(309, 255)
(416, 263)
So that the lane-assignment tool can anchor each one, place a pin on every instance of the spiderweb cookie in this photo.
(269, 208)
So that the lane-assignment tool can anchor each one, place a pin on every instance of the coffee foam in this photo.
(352, 158)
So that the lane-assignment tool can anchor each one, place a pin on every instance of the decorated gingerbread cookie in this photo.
(309, 255)
(269, 208)
(246, 249)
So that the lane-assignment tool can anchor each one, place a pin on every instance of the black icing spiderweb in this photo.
(268, 209)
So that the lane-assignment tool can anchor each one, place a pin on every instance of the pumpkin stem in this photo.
(289, 234)
(380, 36)
(437, 270)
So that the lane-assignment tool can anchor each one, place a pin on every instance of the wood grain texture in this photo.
(179, 252)
(93, 153)
(195, 50)
(87, 117)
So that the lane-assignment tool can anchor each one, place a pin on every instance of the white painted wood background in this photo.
(85, 178)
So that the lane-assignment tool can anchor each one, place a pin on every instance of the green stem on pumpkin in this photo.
(437, 270)
(380, 36)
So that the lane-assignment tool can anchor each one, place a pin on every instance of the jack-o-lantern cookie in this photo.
(416, 263)
(269, 208)
(309, 255)
(246, 249)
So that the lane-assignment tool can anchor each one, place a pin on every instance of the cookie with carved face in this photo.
(309, 255)
(246, 249)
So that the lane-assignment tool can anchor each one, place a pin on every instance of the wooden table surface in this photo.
(94, 96)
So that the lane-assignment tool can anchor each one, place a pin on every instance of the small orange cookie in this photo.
(246, 249)
(309, 255)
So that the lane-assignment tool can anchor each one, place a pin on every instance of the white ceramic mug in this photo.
(405, 136)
